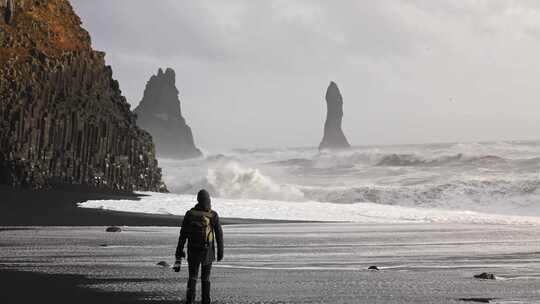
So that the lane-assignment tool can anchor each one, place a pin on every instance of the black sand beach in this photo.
(30, 287)
(279, 263)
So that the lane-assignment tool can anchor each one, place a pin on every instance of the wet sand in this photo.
(283, 263)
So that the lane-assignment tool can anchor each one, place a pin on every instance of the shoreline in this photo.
(58, 207)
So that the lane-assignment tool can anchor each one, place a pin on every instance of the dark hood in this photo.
(204, 201)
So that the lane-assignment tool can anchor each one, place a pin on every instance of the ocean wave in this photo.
(494, 178)
(415, 160)
(473, 194)
(232, 180)
(471, 154)
(378, 159)
(293, 162)
(533, 162)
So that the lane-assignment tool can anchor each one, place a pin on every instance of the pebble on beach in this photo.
(485, 276)
(163, 264)
(113, 229)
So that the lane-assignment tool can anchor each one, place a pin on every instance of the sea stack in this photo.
(63, 119)
(159, 113)
(333, 138)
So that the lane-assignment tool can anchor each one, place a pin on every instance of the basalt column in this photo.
(63, 119)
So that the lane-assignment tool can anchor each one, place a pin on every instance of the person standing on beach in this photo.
(200, 228)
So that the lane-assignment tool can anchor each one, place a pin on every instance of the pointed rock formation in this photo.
(333, 138)
(159, 113)
(63, 119)
(8, 14)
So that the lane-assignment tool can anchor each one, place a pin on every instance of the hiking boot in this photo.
(191, 289)
(205, 286)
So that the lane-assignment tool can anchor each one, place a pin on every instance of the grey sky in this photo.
(254, 73)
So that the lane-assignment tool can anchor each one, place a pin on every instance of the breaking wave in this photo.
(231, 180)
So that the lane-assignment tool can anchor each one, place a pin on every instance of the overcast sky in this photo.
(254, 73)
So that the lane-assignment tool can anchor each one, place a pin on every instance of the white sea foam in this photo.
(307, 211)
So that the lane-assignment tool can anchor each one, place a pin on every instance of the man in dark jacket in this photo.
(200, 228)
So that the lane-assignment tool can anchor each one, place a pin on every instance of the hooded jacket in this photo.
(203, 204)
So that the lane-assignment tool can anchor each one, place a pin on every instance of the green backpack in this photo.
(201, 230)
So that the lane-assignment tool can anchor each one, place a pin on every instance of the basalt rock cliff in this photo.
(159, 113)
(63, 119)
(333, 138)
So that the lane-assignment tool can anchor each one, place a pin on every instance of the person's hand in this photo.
(177, 265)
(220, 256)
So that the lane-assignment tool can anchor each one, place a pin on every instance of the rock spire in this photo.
(333, 138)
(160, 114)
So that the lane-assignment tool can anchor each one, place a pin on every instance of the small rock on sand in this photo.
(163, 264)
(476, 300)
(113, 229)
(485, 276)
(373, 268)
